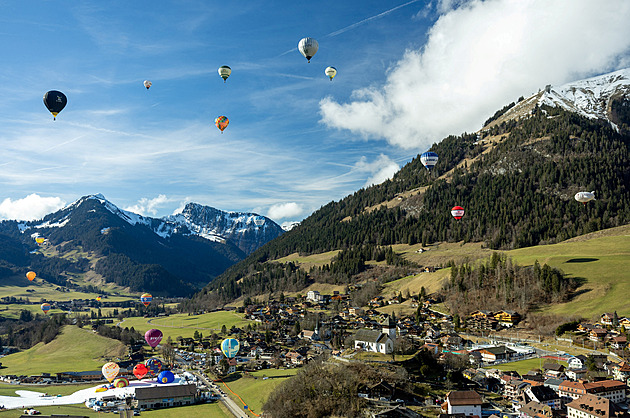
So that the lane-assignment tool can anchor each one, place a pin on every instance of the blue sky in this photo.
(409, 73)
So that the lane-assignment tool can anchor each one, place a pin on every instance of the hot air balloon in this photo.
(153, 337)
(308, 47)
(140, 370)
(165, 377)
(230, 347)
(457, 212)
(224, 72)
(222, 122)
(331, 72)
(98, 298)
(429, 159)
(121, 382)
(40, 240)
(147, 84)
(153, 365)
(31, 275)
(110, 371)
(45, 307)
(55, 101)
(584, 197)
(146, 299)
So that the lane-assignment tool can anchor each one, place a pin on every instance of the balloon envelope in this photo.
(45, 307)
(154, 365)
(31, 275)
(147, 84)
(40, 240)
(331, 72)
(584, 197)
(308, 47)
(165, 377)
(429, 159)
(153, 337)
(110, 370)
(457, 212)
(224, 72)
(222, 122)
(140, 370)
(121, 382)
(55, 101)
(98, 298)
(230, 347)
(146, 299)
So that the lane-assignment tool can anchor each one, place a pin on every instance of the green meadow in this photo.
(184, 325)
(253, 389)
(524, 366)
(75, 349)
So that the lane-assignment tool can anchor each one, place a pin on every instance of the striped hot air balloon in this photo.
(146, 299)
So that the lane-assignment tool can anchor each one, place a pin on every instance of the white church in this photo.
(375, 340)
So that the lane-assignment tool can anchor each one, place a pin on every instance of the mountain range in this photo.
(173, 255)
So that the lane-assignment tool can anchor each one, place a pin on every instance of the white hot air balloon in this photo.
(308, 47)
(331, 72)
(147, 84)
(584, 197)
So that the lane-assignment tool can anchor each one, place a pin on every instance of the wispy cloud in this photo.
(146, 206)
(378, 16)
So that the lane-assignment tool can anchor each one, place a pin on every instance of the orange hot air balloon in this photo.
(98, 298)
(222, 122)
(45, 307)
(30, 275)
(110, 370)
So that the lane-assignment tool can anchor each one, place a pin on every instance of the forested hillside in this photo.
(516, 195)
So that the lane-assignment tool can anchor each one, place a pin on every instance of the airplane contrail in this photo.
(354, 25)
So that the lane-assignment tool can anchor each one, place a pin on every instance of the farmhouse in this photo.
(467, 402)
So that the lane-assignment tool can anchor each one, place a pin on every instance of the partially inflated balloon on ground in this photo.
(165, 377)
(154, 365)
(110, 370)
(153, 337)
(121, 382)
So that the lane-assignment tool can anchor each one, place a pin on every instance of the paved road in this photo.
(232, 406)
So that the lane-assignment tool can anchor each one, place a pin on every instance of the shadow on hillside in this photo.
(582, 260)
(577, 283)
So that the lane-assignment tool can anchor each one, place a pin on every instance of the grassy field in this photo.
(602, 259)
(75, 349)
(524, 366)
(185, 326)
(308, 261)
(255, 392)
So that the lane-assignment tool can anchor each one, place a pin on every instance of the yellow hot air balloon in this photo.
(30, 275)
(40, 240)
(110, 371)
(331, 72)
(98, 298)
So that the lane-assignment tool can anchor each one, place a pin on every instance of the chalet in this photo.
(354, 311)
(375, 340)
(507, 317)
(165, 396)
(542, 395)
(314, 296)
(467, 402)
(624, 322)
(576, 374)
(620, 371)
(295, 358)
(494, 354)
(513, 388)
(577, 362)
(533, 409)
(609, 389)
(607, 318)
(554, 370)
(619, 343)
(592, 406)
(482, 314)
(378, 390)
(597, 334)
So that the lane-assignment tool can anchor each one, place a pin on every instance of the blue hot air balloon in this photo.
(230, 347)
(165, 377)
(429, 159)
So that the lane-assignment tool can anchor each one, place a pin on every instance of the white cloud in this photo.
(285, 210)
(146, 206)
(381, 169)
(30, 208)
(481, 55)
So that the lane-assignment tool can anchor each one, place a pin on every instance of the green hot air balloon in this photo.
(55, 101)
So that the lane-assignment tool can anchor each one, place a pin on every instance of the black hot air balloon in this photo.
(55, 101)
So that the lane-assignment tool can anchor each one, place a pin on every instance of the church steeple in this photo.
(389, 328)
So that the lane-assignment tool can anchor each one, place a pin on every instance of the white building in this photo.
(377, 341)
(467, 402)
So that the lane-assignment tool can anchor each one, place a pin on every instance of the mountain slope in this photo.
(516, 180)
